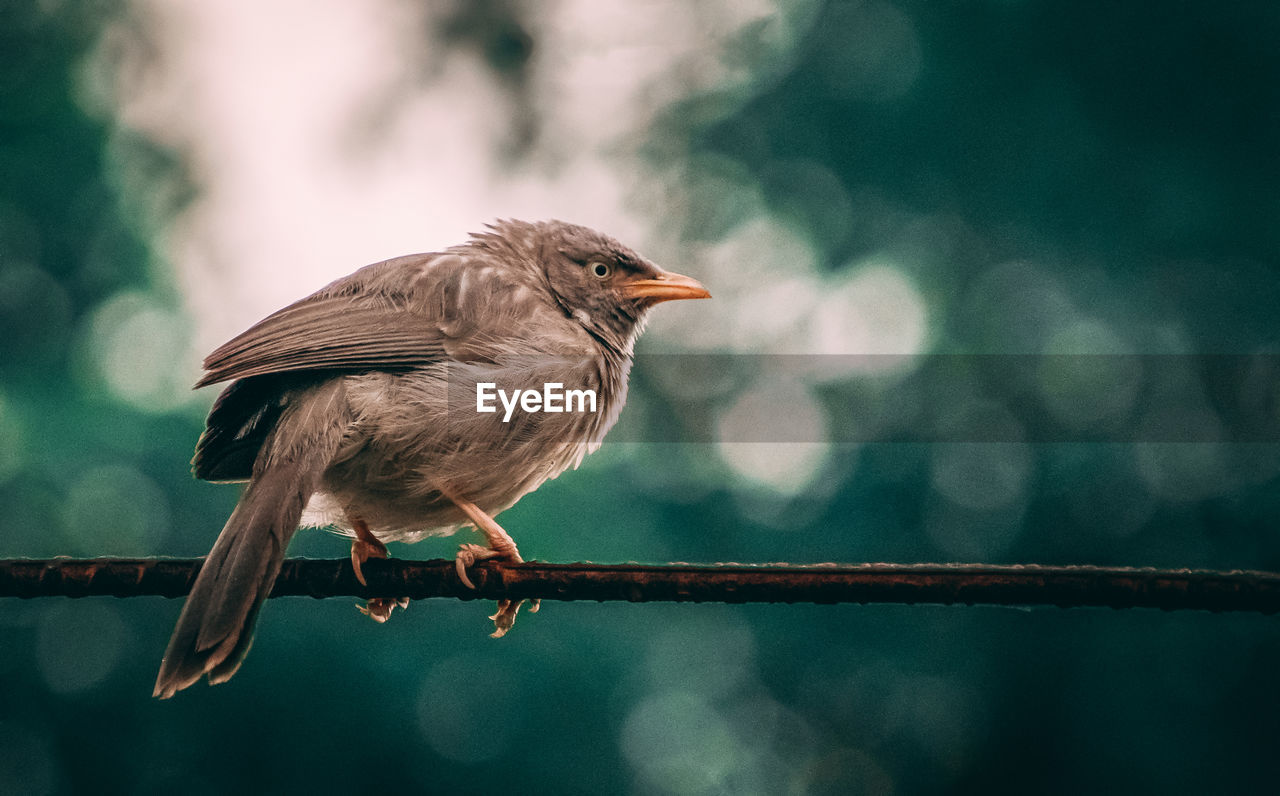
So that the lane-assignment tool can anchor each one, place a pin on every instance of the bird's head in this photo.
(603, 285)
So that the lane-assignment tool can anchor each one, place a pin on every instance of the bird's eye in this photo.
(600, 270)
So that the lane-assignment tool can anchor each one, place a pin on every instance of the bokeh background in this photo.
(1081, 183)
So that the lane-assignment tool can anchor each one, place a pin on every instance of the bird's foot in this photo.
(468, 555)
(505, 618)
(502, 547)
(471, 554)
(364, 547)
(379, 608)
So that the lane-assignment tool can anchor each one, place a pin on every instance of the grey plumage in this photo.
(212, 634)
(357, 404)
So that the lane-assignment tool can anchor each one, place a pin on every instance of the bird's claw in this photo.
(379, 608)
(362, 550)
(505, 618)
(364, 547)
(470, 554)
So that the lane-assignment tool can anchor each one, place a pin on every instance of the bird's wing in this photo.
(402, 313)
(326, 333)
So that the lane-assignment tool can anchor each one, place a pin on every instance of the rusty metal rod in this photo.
(949, 584)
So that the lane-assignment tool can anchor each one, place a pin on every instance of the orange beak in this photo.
(668, 287)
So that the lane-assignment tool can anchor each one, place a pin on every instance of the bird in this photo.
(356, 409)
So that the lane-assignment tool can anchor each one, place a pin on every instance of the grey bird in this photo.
(356, 408)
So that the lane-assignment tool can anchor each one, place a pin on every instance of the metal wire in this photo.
(950, 584)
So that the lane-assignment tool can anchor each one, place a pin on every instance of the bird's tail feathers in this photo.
(215, 628)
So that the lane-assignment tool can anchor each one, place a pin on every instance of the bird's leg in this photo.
(502, 547)
(364, 547)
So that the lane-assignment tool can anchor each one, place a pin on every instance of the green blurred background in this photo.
(979, 176)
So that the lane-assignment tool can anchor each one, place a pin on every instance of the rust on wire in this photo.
(949, 584)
